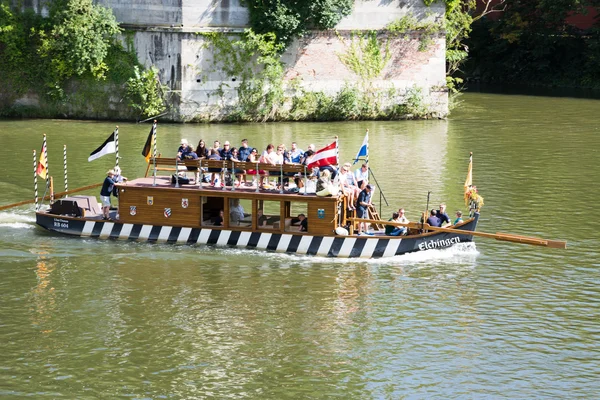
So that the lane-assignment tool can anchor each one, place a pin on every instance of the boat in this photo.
(159, 209)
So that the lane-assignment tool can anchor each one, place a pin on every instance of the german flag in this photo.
(147, 151)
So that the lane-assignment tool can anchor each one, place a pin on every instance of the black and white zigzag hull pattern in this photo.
(326, 246)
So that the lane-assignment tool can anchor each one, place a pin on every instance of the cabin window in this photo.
(213, 211)
(294, 209)
(240, 213)
(268, 215)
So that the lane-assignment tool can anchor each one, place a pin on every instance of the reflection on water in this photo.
(103, 319)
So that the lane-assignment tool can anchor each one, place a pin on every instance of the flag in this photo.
(146, 152)
(107, 147)
(328, 155)
(364, 149)
(43, 163)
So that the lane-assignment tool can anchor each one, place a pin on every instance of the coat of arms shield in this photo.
(132, 210)
(185, 203)
(167, 212)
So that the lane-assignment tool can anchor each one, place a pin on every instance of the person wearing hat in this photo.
(362, 205)
(185, 151)
(107, 188)
(225, 152)
(118, 178)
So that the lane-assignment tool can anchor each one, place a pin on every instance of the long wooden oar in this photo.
(506, 237)
(81, 189)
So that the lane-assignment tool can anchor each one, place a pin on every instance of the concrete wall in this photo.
(165, 35)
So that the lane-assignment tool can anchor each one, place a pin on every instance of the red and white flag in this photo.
(328, 155)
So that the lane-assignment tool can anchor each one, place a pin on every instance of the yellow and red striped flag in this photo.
(43, 163)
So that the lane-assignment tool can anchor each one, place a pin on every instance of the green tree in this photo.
(79, 39)
(534, 43)
(289, 19)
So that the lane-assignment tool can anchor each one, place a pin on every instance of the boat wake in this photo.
(461, 252)
(21, 219)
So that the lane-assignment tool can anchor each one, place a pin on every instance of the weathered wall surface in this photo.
(167, 34)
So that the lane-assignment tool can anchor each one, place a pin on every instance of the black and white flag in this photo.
(107, 147)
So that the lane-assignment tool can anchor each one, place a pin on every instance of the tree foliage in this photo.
(533, 42)
(79, 39)
(289, 19)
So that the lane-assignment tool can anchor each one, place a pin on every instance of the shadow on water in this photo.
(524, 90)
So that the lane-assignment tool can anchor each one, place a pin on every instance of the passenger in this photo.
(201, 150)
(303, 223)
(244, 151)
(225, 152)
(269, 156)
(458, 219)
(295, 154)
(214, 155)
(441, 214)
(362, 205)
(255, 158)
(216, 146)
(324, 181)
(261, 218)
(403, 218)
(306, 156)
(236, 212)
(118, 178)
(107, 189)
(362, 176)
(391, 230)
(219, 220)
(184, 149)
(239, 173)
(349, 186)
(434, 220)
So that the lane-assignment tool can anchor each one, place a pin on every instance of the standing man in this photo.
(107, 188)
(363, 203)
(441, 214)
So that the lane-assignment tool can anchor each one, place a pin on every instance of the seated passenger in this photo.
(236, 212)
(214, 155)
(261, 218)
(362, 176)
(349, 185)
(391, 230)
(244, 151)
(433, 219)
(303, 223)
(185, 151)
(219, 220)
(295, 154)
(458, 219)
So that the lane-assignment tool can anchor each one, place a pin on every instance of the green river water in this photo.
(91, 319)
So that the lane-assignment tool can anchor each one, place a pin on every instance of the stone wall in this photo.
(166, 35)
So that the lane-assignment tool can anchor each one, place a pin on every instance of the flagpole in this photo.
(117, 146)
(367, 157)
(65, 166)
(45, 147)
(154, 143)
(35, 188)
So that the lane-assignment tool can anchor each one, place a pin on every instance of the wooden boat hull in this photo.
(293, 243)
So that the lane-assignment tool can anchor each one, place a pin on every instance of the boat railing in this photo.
(173, 164)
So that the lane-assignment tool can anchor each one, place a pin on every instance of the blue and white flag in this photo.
(364, 149)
